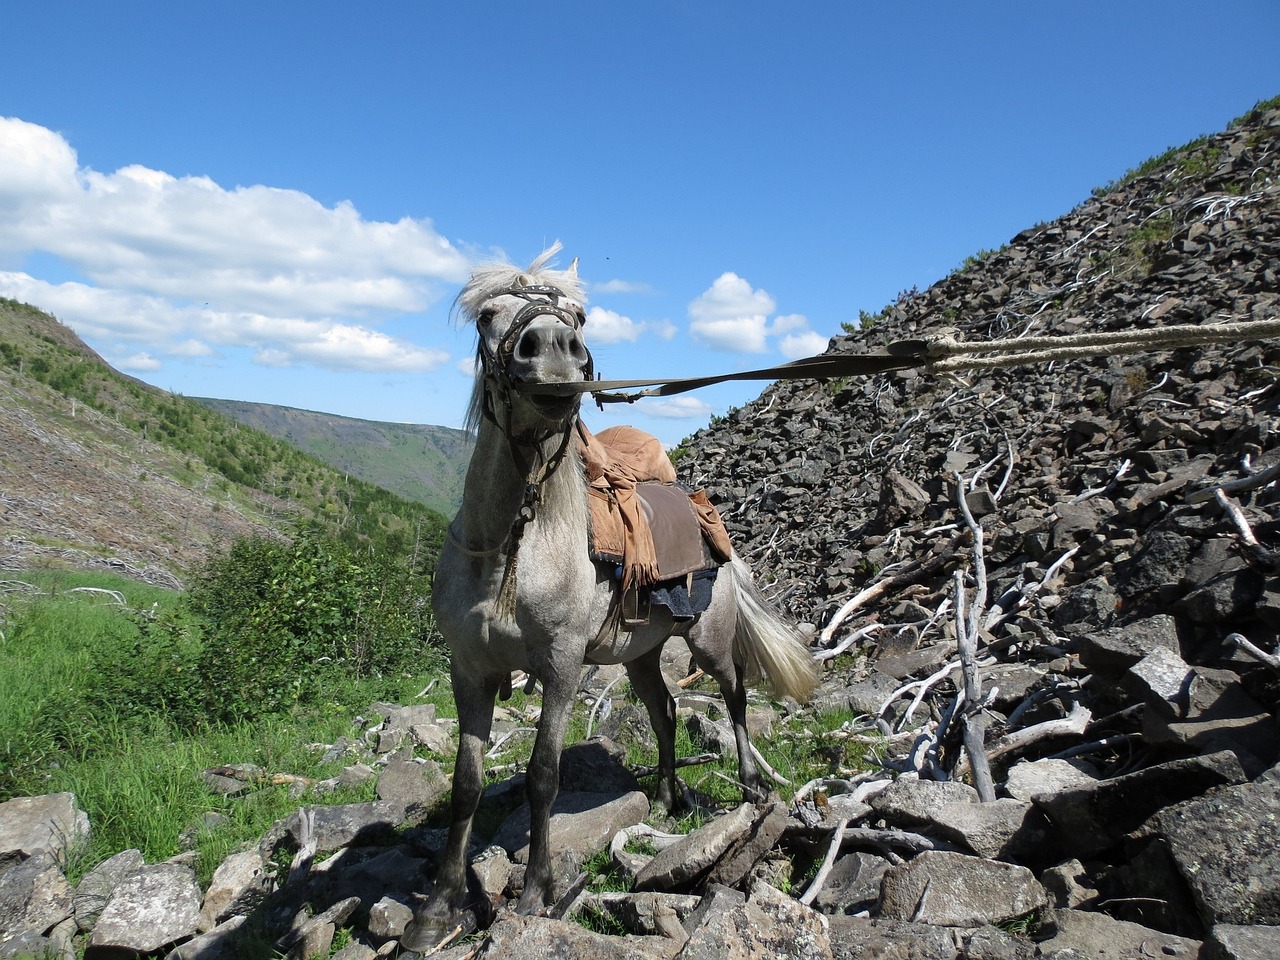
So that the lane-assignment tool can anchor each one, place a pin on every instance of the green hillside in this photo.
(418, 461)
(97, 467)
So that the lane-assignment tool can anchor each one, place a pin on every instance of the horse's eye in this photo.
(486, 316)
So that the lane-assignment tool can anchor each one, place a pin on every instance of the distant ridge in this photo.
(417, 461)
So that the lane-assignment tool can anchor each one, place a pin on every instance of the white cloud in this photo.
(140, 362)
(605, 326)
(730, 315)
(184, 330)
(622, 286)
(180, 263)
(678, 408)
(192, 348)
(807, 343)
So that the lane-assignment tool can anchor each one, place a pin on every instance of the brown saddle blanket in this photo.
(641, 518)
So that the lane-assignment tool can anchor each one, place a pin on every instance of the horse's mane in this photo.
(492, 278)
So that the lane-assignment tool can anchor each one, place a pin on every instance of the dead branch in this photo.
(974, 726)
(1073, 724)
(1252, 482)
(1241, 642)
(907, 574)
(815, 887)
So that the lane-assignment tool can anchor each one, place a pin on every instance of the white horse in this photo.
(515, 588)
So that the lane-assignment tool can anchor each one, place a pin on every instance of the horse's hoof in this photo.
(425, 933)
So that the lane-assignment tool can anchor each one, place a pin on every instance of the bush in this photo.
(284, 623)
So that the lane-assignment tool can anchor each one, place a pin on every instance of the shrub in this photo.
(284, 622)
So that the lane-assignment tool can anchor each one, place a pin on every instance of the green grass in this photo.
(136, 774)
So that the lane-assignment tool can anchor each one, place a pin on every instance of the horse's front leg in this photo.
(543, 779)
(474, 699)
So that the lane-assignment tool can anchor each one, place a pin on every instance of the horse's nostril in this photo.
(529, 345)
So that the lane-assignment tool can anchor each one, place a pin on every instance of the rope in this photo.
(938, 355)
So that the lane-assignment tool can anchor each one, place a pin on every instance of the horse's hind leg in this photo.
(475, 701)
(645, 674)
(711, 642)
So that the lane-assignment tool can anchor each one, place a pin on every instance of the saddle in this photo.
(652, 527)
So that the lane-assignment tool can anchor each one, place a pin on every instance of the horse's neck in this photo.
(495, 492)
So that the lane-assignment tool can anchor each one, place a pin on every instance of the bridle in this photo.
(527, 446)
(542, 300)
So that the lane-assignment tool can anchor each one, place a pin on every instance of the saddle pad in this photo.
(679, 543)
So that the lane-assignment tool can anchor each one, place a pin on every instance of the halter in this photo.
(541, 300)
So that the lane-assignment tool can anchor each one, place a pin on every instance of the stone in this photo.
(152, 907)
(538, 938)
(216, 944)
(953, 889)
(416, 784)
(1003, 829)
(730, 925)
(914, 803)
(388, 918)
(1092, 818)
(96, 886)
(582, 824)
(1080, 933)
(238, 885)
(1112, 651)
(1231, 941)
(853, 885)
(1028, 778)
(1227, 846)
(34, 896)
(860, 938)
(755, 844)
(683, 863)
(336, 826)
(51, 824)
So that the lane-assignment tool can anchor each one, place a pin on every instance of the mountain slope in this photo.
(97, 468)
(830, 487)
(417, 461)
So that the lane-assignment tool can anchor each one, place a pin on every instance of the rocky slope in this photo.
(1107, 785)
(98, 469)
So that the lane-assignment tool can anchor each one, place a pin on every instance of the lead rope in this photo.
(528, 512)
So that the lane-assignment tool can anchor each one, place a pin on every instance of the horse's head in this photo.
(530, 326)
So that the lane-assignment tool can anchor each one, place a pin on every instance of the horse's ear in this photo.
(573, 269)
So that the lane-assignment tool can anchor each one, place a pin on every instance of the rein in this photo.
(937, 355)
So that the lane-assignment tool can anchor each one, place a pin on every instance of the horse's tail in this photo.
(765, 644)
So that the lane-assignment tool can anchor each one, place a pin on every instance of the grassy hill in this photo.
(417, 461)
(98, 469)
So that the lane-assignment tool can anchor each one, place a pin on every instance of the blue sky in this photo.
(278, 201)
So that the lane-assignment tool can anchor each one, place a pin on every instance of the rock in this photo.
(1028, 778)
(1091, 818)
(51, 824)
(682, 864)
(216, 944)
(1079, 933)
(337, 826)
(96, 886)
(34, 896)
(582, 824)
(1004, 829)
(952, 889)
(853, 885)
(538, 938)
(647, 914)
(1229, 941)
(388, 918)
(416, 784)
(152, 907)
(859, 938)
(730, 925)
(1227, 846)
(596, 766)
(914, 803)
(238, 885)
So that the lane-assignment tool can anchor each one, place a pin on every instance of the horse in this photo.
(516, 590)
